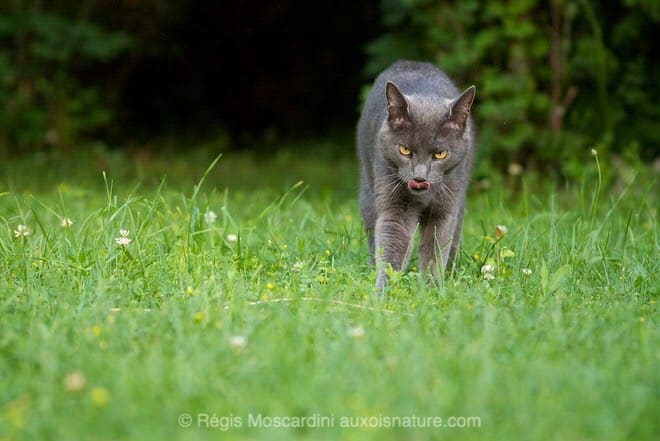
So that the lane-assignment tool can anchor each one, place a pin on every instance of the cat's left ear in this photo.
(460, 109)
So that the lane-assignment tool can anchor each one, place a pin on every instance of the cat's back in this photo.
(412, 78)
(417, 78)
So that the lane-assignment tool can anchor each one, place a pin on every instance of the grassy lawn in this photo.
(246, 303)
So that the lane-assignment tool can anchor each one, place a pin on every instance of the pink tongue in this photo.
(418, 185)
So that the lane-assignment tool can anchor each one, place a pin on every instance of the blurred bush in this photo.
(554, 79)
(128, 72)
(43, 101)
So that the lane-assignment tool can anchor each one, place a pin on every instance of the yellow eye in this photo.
(440, 155)
(405, 151)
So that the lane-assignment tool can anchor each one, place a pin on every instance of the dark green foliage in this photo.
(553, 78)
(43, 100)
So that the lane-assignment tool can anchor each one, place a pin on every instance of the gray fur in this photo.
(414, 104)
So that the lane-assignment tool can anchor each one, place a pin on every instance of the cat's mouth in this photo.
(418, 186)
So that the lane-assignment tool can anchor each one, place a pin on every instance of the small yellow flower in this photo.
(327, 253)
(95, 330)
(190, 291)
(506, 252)
(99, 396)
(14, 411)
(270, 285)
(199, 316)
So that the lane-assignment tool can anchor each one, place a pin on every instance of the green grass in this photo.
(270, 310)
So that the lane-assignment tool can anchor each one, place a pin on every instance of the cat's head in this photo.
(423, 137)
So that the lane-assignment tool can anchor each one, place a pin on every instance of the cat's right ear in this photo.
(460, 109)
(397, 106)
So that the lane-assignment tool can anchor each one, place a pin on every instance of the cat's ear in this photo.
(460, 109)
(397, 106)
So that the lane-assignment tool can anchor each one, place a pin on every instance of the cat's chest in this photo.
(429, 203)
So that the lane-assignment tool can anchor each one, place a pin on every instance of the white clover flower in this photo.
(515, 169)
(21, 231)
(237, 342)
(66, 222)
(123, 239)
(500, 231)
(232, 237)
(526, 271)
(210, 217)
(356, 331)
(75, 381)
(487, 271)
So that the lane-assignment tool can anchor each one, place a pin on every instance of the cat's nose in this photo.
(419, 172)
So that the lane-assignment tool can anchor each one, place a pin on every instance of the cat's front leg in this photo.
(436, 245)
(393, 237)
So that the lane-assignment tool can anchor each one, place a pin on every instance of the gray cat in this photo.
(415, 141)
